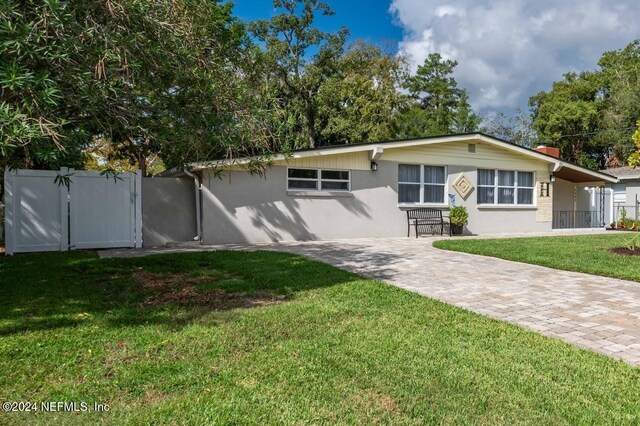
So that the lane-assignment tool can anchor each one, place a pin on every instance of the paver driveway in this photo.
(599, 313)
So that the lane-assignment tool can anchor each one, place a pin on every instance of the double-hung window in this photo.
(505, 187)
(526, 185)
(318, 180)
(421, 184)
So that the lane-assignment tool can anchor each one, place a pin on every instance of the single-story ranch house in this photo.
(364, 190)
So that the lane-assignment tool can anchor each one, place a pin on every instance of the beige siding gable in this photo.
(349, 161)
(457, 153)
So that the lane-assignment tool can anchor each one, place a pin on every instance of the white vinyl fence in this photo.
(48, 210)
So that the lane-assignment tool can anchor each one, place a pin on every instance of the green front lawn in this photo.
(270, 338)
(580, 253)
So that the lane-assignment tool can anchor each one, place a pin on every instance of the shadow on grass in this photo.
(55, 290)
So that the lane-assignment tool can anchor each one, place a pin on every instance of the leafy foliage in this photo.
(149, 77)
(517, 128)
(567, 117)
(324, 94)
(294, 74)
(101, 155)
(621, 72)
(634, 158)
(459, 215)
(439, 107)
(590, 116)
(126, 84)
(360, 101)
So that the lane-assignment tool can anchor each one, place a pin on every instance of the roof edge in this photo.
(398, 143)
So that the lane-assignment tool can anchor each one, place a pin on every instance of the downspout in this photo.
(196, 183)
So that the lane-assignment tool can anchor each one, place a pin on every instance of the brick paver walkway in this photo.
(602, 314)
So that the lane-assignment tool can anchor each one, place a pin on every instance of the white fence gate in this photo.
(42, 213)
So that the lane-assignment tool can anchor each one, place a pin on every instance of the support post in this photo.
(138, 206)
(197, 188)
(64, 211)
(575, 205)
(9, 224)
(602, 198)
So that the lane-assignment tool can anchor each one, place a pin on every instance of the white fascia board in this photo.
(557, 164)
(337, 150)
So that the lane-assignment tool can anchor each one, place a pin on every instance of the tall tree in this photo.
(620, 71)
(439, 107)
(148, 77)
(517, 128)
(300, 58)
(464, 119)
(436, 90)
(590, 116)
(567, 117)
(359, 102)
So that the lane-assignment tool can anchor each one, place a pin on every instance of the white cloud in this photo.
(508, 50)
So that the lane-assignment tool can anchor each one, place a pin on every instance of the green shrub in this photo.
(459, 215)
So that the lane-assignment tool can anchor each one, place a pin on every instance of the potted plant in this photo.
(622, 223)
(459, 217)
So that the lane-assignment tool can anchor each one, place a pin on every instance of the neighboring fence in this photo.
(168, 211)
(569, 219)
(59, 210)
(632, 211)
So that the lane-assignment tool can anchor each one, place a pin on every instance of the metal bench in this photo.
(425, 219)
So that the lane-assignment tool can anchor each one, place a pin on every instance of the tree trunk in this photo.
(142, 164)
(311, 125)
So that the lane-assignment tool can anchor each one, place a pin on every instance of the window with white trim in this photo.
(318, 180)
(421, 184)
(505, 187)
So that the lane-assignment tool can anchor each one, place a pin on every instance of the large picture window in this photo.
(318, 180)
(421, 184)
(505, 187)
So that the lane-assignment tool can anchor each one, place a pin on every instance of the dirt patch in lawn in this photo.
(625, 251)
(183, 290)
(377, 400)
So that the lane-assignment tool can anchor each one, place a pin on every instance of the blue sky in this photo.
(507, 50)
(370, 20)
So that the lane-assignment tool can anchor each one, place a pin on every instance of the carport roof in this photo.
(624, 173)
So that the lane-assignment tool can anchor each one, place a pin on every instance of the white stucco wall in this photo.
(243, 208)
(633, 191)
(563, 195)
(630, 189)
(492, 220)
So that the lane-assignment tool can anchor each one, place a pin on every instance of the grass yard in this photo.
(580, 253)
(266, 338)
